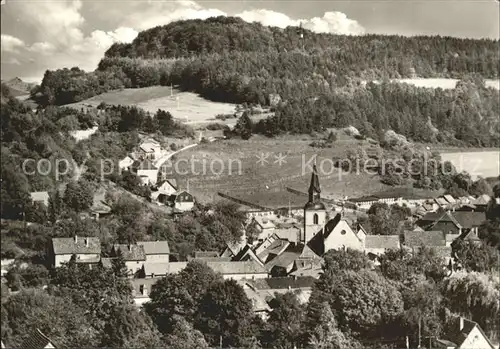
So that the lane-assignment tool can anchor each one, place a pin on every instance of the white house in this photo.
(184, 201)
(146, 171)
(467, 335)
(125, 163)
(150, 149)
(133, 255)
(40, 197)
(86, 249)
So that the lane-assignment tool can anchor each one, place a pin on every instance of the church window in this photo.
(315, 218)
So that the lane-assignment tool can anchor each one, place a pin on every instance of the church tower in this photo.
(314, 210)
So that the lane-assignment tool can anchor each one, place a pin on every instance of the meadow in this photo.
(190, 108)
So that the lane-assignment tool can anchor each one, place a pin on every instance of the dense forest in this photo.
(313, 83)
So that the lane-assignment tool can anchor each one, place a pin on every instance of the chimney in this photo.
(87, 242)
(76, 239)
(461, 323)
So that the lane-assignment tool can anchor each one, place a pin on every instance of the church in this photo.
(322, 234)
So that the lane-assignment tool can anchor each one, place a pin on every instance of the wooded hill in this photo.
(318, 78)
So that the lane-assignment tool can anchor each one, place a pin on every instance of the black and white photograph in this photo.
(243, 174)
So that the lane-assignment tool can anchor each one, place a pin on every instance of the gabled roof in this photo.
(382, 241)
(155, 247)
(441, 201)
(276, 248)
(469, 235)
(285, 259)
(245, 267)
(425, 238)
(290, 234)
(264, 223)
(36, 340)
(149, 145)
(131, 252)
(180, 197)
(236, 247)
(206, 254)
(446, 217)
(459, 336)
(450, 199)
(482, 200)
(247, 253)
(156, 268)
(171, 182)
(468, 219)
(77, 245)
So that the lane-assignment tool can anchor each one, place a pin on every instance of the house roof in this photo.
(468, 219)
(441, 201)
(482, 200)
(265, 223)
(276, 247)
(458, 336)
(36, 340)
(425, 238)
(450, 199)
(131, 252)
(236, 247)
(206, 254)
(290, 234)
(244, 267)
(382, 241)
(445, 217)
(171, 181)
(180, 197)
(156, 268)
(284, 260)
(258, 299)
(277, 283)
(149, 146)
(82, 245)
(155, 247)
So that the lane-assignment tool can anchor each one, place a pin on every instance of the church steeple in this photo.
(314, 188)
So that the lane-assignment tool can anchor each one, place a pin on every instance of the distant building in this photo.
(156, 251)
(149, 149)
(183, 201)
(146, 171)
(466, 335)
(41, 197)
(133, 255)
(86, 250)
(125, 163)
(263, 225)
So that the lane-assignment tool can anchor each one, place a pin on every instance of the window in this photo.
(315, 218)
(343, 232)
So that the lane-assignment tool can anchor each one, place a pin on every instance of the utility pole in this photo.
(419, 332)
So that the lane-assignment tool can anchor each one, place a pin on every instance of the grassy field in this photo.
(232, 167)
(190, 107)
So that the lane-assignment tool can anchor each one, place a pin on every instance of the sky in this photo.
(37, 35)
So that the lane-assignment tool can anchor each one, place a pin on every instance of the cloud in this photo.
(11, 43)
(57, 34)
(331, 22)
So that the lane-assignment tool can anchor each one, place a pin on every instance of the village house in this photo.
(264, 226)
(149, 149)
(133, 255)
(41, 197)
(377, 245)
(233, 248)
(146, 171)
(126, 162)
(442, 221)
(85, 249)
(467, 334)
(436, 239)
(229, 270)
(156, 251)
(141, 288)
(183, 201)
(164, 189)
